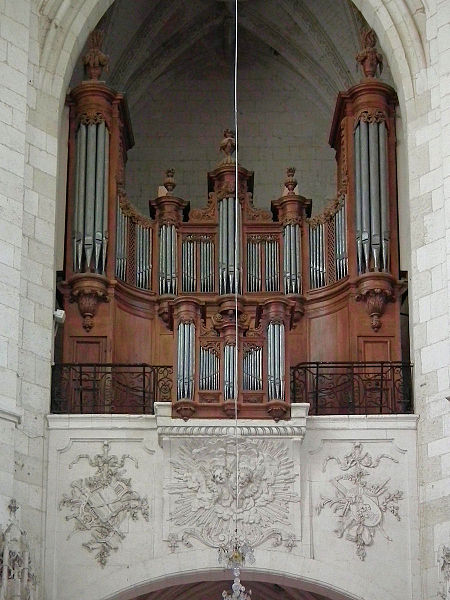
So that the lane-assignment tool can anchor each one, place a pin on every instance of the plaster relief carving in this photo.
(204, 490)
(17, 579)
(444, 571)
(360, 503)
(100, 504)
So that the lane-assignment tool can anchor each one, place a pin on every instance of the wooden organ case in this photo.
(161, 290)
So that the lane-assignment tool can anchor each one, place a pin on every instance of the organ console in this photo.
(175, 289)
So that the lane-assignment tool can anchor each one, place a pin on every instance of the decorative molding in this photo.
(203, 486)
(444, 572)
(360, 504)
(182, 430)
(17, 579)
(99, 504)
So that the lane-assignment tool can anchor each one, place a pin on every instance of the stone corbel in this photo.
(87, 290)
(375, 294)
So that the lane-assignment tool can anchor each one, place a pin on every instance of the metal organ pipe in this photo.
(252, 370)
(90, 225)
(185, 360)
(365, 194)
(209, 369)
(229, 371)
(374, 194)
(358, 198)
(340, 242)
(384, 202)
(276, 361)
(371, 197)
(291, 263)
(229, 270)
(167, 259)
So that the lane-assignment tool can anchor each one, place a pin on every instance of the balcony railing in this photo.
(354, 388)
(109, 388)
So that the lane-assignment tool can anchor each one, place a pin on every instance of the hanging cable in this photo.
(236, 266)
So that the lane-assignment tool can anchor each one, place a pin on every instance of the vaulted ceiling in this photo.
(212, 590)
(313, 42)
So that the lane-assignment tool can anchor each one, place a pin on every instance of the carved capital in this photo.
(87, 291)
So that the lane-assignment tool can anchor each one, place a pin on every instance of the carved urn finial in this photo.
(169, 181)
(228, 146)
(369, 58)
(290, 182)
(95, 60)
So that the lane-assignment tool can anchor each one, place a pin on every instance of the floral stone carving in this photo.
(99, 504)
(359, 503)
(17, 580)
(204, 491)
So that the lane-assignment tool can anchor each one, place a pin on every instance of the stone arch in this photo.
(303, 574)
(65, 27)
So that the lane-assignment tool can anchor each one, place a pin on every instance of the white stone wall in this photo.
(319, 559)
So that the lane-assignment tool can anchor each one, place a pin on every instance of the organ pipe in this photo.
(371, 197)
(317, 256)
(340, 237)
(167, 259)
(291, 264)
(209, 369)
(276, 361)
(90, 224)
(229, 379)
(229, 246)
(185, 360)
(252, 370)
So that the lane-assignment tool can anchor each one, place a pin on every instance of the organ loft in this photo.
(194, 306)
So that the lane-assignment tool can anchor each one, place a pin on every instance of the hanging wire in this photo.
(236, 266)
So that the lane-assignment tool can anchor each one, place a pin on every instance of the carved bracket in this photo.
(88, 290)
(375, 300)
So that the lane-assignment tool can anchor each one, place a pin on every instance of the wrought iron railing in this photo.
(109, 388)
(353, 387)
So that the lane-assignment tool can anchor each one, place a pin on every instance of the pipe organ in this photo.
(229, 294)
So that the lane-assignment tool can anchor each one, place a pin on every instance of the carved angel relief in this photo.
(360, 504)
(204, 493)
(100, 504)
